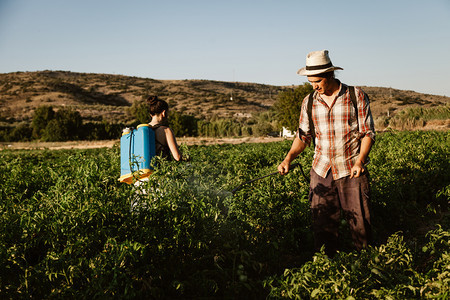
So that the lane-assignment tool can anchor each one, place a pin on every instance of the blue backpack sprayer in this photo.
(137, 148)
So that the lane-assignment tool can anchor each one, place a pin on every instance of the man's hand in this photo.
(357, 169)
(362, 160)
(297, 147)
(283, 168)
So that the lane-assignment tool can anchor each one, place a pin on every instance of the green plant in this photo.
(69, 229)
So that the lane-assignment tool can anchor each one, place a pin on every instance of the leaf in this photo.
(391, 260)
(376, 271)
(315, 293)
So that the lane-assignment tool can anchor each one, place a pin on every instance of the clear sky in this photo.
(403, 44)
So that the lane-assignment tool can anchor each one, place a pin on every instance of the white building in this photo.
(286, 133)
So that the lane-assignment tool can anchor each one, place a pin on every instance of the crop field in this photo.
(69, 229)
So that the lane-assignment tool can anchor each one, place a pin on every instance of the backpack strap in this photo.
(311, 123)
(154, 127)
(353, 98)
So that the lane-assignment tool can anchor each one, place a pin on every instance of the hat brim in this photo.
(305, 72)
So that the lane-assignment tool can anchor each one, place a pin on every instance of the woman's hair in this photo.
(156, 106)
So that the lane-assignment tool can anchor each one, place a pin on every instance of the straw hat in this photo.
(317, 62)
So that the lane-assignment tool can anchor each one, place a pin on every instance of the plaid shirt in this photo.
(338, 131)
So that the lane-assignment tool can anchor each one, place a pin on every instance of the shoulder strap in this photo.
(311, 123)
(353, 98)
(154, 127)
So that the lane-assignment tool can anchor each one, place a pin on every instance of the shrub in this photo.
(182, 125)
(384, 272)
(65, 126)
(416, 117)
(42, 115)
(22, 132)
(141, 112)
(288, 105)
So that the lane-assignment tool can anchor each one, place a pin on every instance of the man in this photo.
(344, 135)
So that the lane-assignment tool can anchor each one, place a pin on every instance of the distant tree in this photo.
(42, 115)
(265, 124)
(66, 125)
(54, 132)
(71, 120)
(22, 132)
(221, 128)
(288, 105)
(100, 131)
(141, 112)
(262, 129)
(182, 125)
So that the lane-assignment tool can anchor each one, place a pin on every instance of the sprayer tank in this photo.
(137, 148)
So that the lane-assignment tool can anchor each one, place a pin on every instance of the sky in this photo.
(402, 44)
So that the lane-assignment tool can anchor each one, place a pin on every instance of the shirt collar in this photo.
(342, 90)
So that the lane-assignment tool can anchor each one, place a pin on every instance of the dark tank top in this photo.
(161, 147)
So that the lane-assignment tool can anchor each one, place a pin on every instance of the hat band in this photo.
(312, 68)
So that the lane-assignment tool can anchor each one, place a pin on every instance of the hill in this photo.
(108, 97)
(104, 96)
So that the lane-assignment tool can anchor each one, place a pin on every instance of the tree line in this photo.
(65, 123)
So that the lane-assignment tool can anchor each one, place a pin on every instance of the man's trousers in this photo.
(328, 198)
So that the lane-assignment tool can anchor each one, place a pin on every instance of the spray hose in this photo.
(132, 161)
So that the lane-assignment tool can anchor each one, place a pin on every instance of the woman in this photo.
(165, 142)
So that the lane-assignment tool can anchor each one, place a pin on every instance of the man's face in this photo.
(319, 84)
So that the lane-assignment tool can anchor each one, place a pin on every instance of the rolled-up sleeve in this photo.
(304, 132)
(365, 119)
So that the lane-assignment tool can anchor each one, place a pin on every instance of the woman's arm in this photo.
(172, 143)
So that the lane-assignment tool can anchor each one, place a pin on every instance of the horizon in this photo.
(391, 44)
(193, 79)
